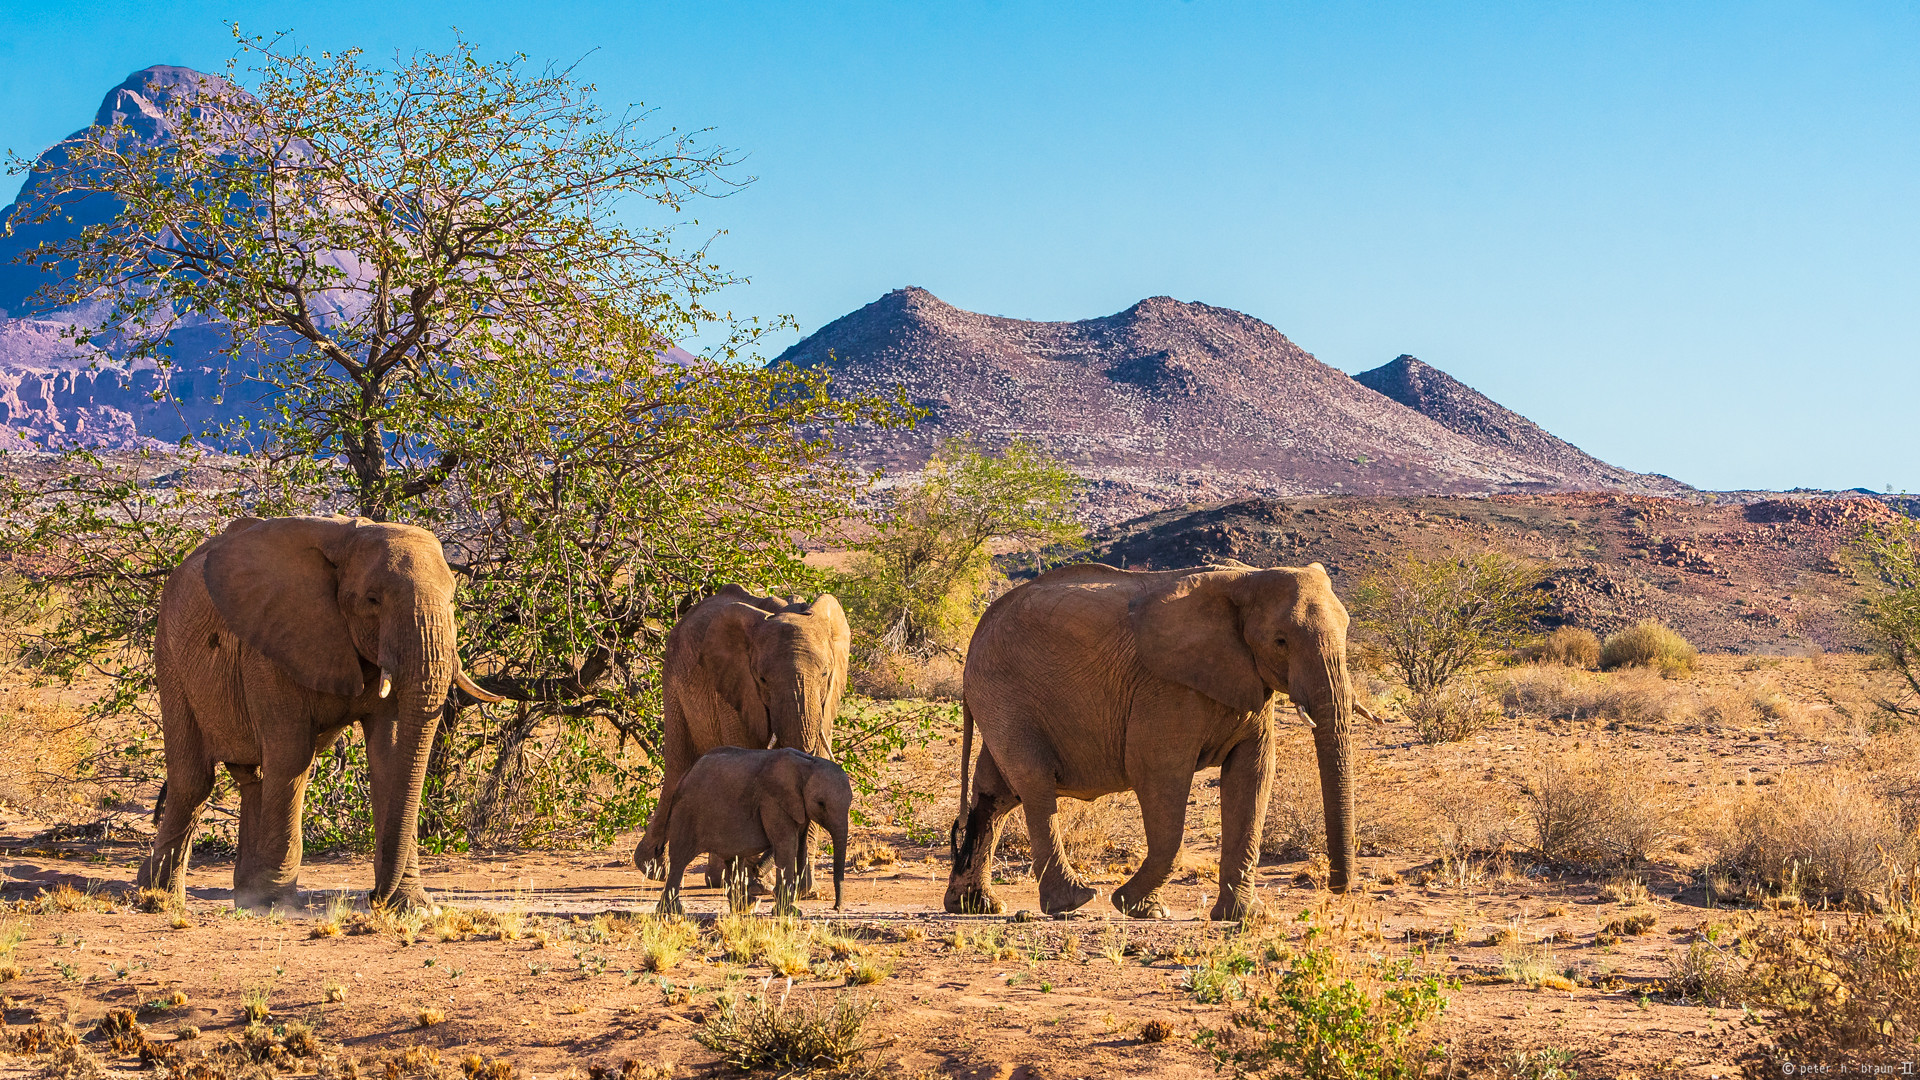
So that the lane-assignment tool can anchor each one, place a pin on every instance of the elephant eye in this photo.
(374, 600)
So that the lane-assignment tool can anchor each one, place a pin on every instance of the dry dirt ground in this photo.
(567, 987)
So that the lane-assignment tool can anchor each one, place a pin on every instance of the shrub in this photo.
(756, 1032)
(1826, 836)
(1652, 645)
(1843, 986)
(1571, 646)
(1451, 713)
(1586, 807)
(1324, 1015)
(1887, 559)
(1432, 619)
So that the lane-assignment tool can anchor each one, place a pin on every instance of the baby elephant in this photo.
(741, 803)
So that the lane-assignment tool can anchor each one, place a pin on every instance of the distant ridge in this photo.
(1168, 403)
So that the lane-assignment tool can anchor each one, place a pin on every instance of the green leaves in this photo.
(1432, 619)
(923, 574)
(1887, 559)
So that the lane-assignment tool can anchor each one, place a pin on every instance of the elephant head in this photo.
(356, 609)
(1239, 635)
(787, 661)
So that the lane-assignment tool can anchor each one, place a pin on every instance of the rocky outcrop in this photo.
(1168, 403)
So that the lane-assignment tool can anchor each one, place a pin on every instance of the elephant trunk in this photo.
(1320, 679)
(808, 723)
(839, 861)
(422, 662)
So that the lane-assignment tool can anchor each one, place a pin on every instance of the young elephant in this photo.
(738, 803)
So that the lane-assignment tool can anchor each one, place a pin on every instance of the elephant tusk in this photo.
(1365, 712)
(386, 683)
(460, 679)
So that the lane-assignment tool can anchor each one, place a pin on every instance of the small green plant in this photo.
(1216, 979)
(1546, 1063)
(254, 1004)
(664, 941)
(758, 1032)
(865, 971)
(1317, 1014)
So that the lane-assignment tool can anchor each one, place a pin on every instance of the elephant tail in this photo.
(160, 803)
(966, 762)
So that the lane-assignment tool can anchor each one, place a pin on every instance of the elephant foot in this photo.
(1066, 898)
(1147, 907)
(669, 905)
(973, 902)
(413, 899)
(1233, 909)
(285, 898)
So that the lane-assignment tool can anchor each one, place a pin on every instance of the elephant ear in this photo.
(728, 658)
(275, 587)
(1189, 631)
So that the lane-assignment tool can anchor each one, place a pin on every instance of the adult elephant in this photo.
(275, 636)
(753, 671)
(1089, 680)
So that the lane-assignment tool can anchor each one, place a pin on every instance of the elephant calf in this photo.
(737, 803)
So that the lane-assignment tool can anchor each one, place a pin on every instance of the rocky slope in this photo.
(1757, 575)
(1168, 403)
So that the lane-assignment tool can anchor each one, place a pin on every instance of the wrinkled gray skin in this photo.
(751, 671)
(273, 637)
(738, 804)
(1089, 680)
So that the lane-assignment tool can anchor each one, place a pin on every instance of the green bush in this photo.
(1571, 646)
(1650, 644)
(1432, 620)
(1326, 1016)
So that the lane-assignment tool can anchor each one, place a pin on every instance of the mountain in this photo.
(55, 393)
(1460, 408)
(1170, 403)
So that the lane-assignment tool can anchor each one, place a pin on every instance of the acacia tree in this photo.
(1434, 619)
(1887, 559)
(421, 270)
(930, 537)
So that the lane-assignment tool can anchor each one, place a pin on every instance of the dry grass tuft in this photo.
(1457, 711)
(1823, 836)
(1156, 1030)
(758, 1032)
(429, 1015)
(869, 854)
(1650, 644)
(1844, 986)
(663, 941)
(1571, 646)
(1590, 806)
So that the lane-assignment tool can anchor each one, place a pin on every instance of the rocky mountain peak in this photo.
(1168, 402)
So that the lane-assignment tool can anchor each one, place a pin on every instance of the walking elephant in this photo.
(1089, 680)
(752, 671)
(273, 638)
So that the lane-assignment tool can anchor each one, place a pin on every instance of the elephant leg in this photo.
(783, 848)
(246, 780)
(189, 782)
(677, 860)
(738, 880)
(1246, 779)
(969, 883)
(1060, 888)
(804, 882)
(1163, 813)
(271, 873)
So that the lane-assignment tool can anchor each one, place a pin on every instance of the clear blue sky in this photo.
(1681, 235)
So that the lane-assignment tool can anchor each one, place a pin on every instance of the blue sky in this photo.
(1681, 235)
